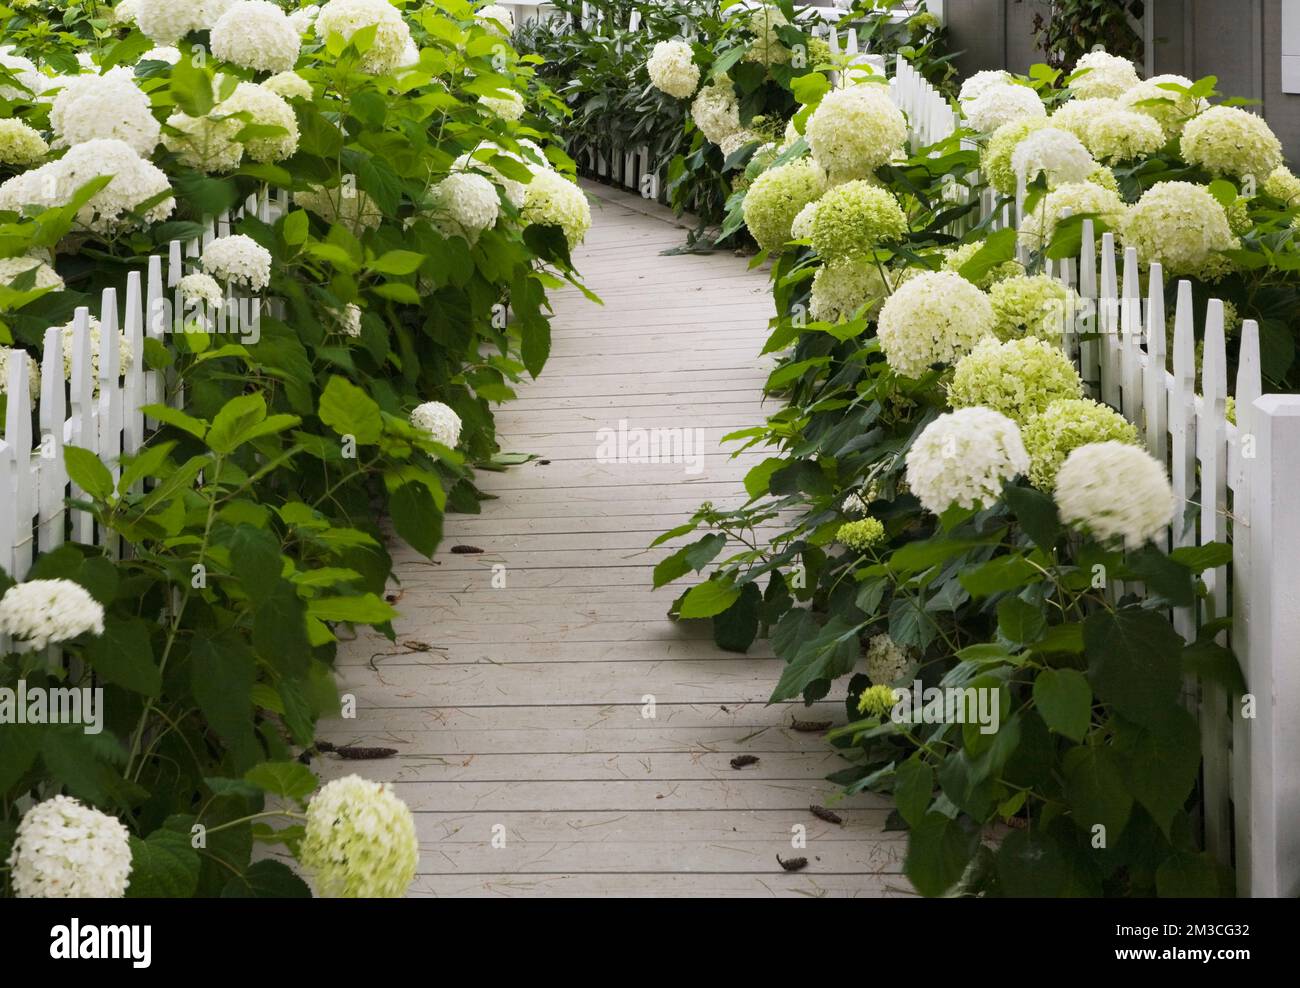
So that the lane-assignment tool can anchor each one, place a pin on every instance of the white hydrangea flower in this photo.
(20, 144)
(46, 612)
(267, 109)
(1058, 153)
(134, 181)
(289, 85)
(550, 199)
(492, 12)
(207, 143)
(715, 112)
(853, 504)
(672, 68)
(162, 53)
(360, 841)
(936, 317)
(801, 227)
(854, 131)
(981, 82)
(887, 662)
(1099, 74)
(998, 105)
(202, 287)
(12, 268)
(513, 189)
(438, 421)
(1115, 490)
(346, 17)
(1079, 198)
(256, 34)
(104, 106)
(64, 850)
(165, 22)
(1182, 226)
(124, 12)
(465, 204)
(1123, 135)
(1077, 115)
(303, 18)
(845, 285)
(734, 142)
(964, 458)
(238, 259)
(1170, 109)
(508, 107)
(1226, 140)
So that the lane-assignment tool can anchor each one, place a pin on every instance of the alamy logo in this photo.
(948, 705)
(659, 445)
(58, 705)
(102, 942)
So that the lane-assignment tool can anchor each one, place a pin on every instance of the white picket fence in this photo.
(1234, 482)
(98, 405)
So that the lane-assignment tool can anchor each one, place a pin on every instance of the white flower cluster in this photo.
(936, 317)
(359, 840)
(887, 662)
(1167, 107)
(134, 181)
(12, 268)
(854, 131)
(238, 259)
(202, 287)
(550, 199)
(998, 105)
(438, 421)
(354, 208)
(1099, 74)
(64, 850)
(490, 13)
(104, 106)
(46, 612)
(256, 34)
(715, 111)
(464, 204)
(672, 68)
(20, 144)
(350, 320)
(265, 109)
(162, 53)
(1115, 490)
(124, 355)
(167, 21)
(347, 17)
(1225, 140)
(507, 107)
(30, 81)
(33, 371)
(1122, 135)
(981, 82)
(1057, 153)
(964, 458)
(289, 85)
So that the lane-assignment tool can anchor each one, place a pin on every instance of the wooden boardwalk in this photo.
(522, 714)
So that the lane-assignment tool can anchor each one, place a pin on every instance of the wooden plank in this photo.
(584, 885)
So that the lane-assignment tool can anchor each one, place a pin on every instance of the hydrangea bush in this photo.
(953, 505)
(425, 201)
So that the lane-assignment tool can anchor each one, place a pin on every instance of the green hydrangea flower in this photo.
(777, 196)
(1017, 378)
(1031, 305)
(853, 218)
(360, 841)
(861, 535)
(995, 161)
(878, 700)
(1065, 425)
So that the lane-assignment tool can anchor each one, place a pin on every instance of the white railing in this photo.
(1234, 482)
(97, 406)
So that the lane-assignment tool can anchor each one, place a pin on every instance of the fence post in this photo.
(1273, 669)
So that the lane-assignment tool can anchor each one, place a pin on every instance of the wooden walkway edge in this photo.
(557, 734)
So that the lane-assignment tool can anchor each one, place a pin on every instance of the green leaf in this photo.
(416, 517)
(1001, 573)
(759, 477)
(1064, 700)
(349, 411)
(1032, 866)
(175, 417)
(1020, 621)
(288, 779)
(700, 554)
(295, 227)
(1096, 792)
(1199, 558)
(998, 248)
(123, 655)
(163, 866)
(1211, 661)
(1036, 513)
(709, 598)
(266, 879)
(365, 609)
(938, 851)
(1162, 575)
(88, 472)
(1133, 661)
(280, 629)
(1160, 763)
(222, 673)
(735, 629)
(1187, 876)
(397, 262)
(672, 567)
(237, 417)
(913, 789)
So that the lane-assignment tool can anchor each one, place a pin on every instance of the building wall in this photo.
(1236, 40)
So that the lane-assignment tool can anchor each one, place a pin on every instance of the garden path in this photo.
(518, 713)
